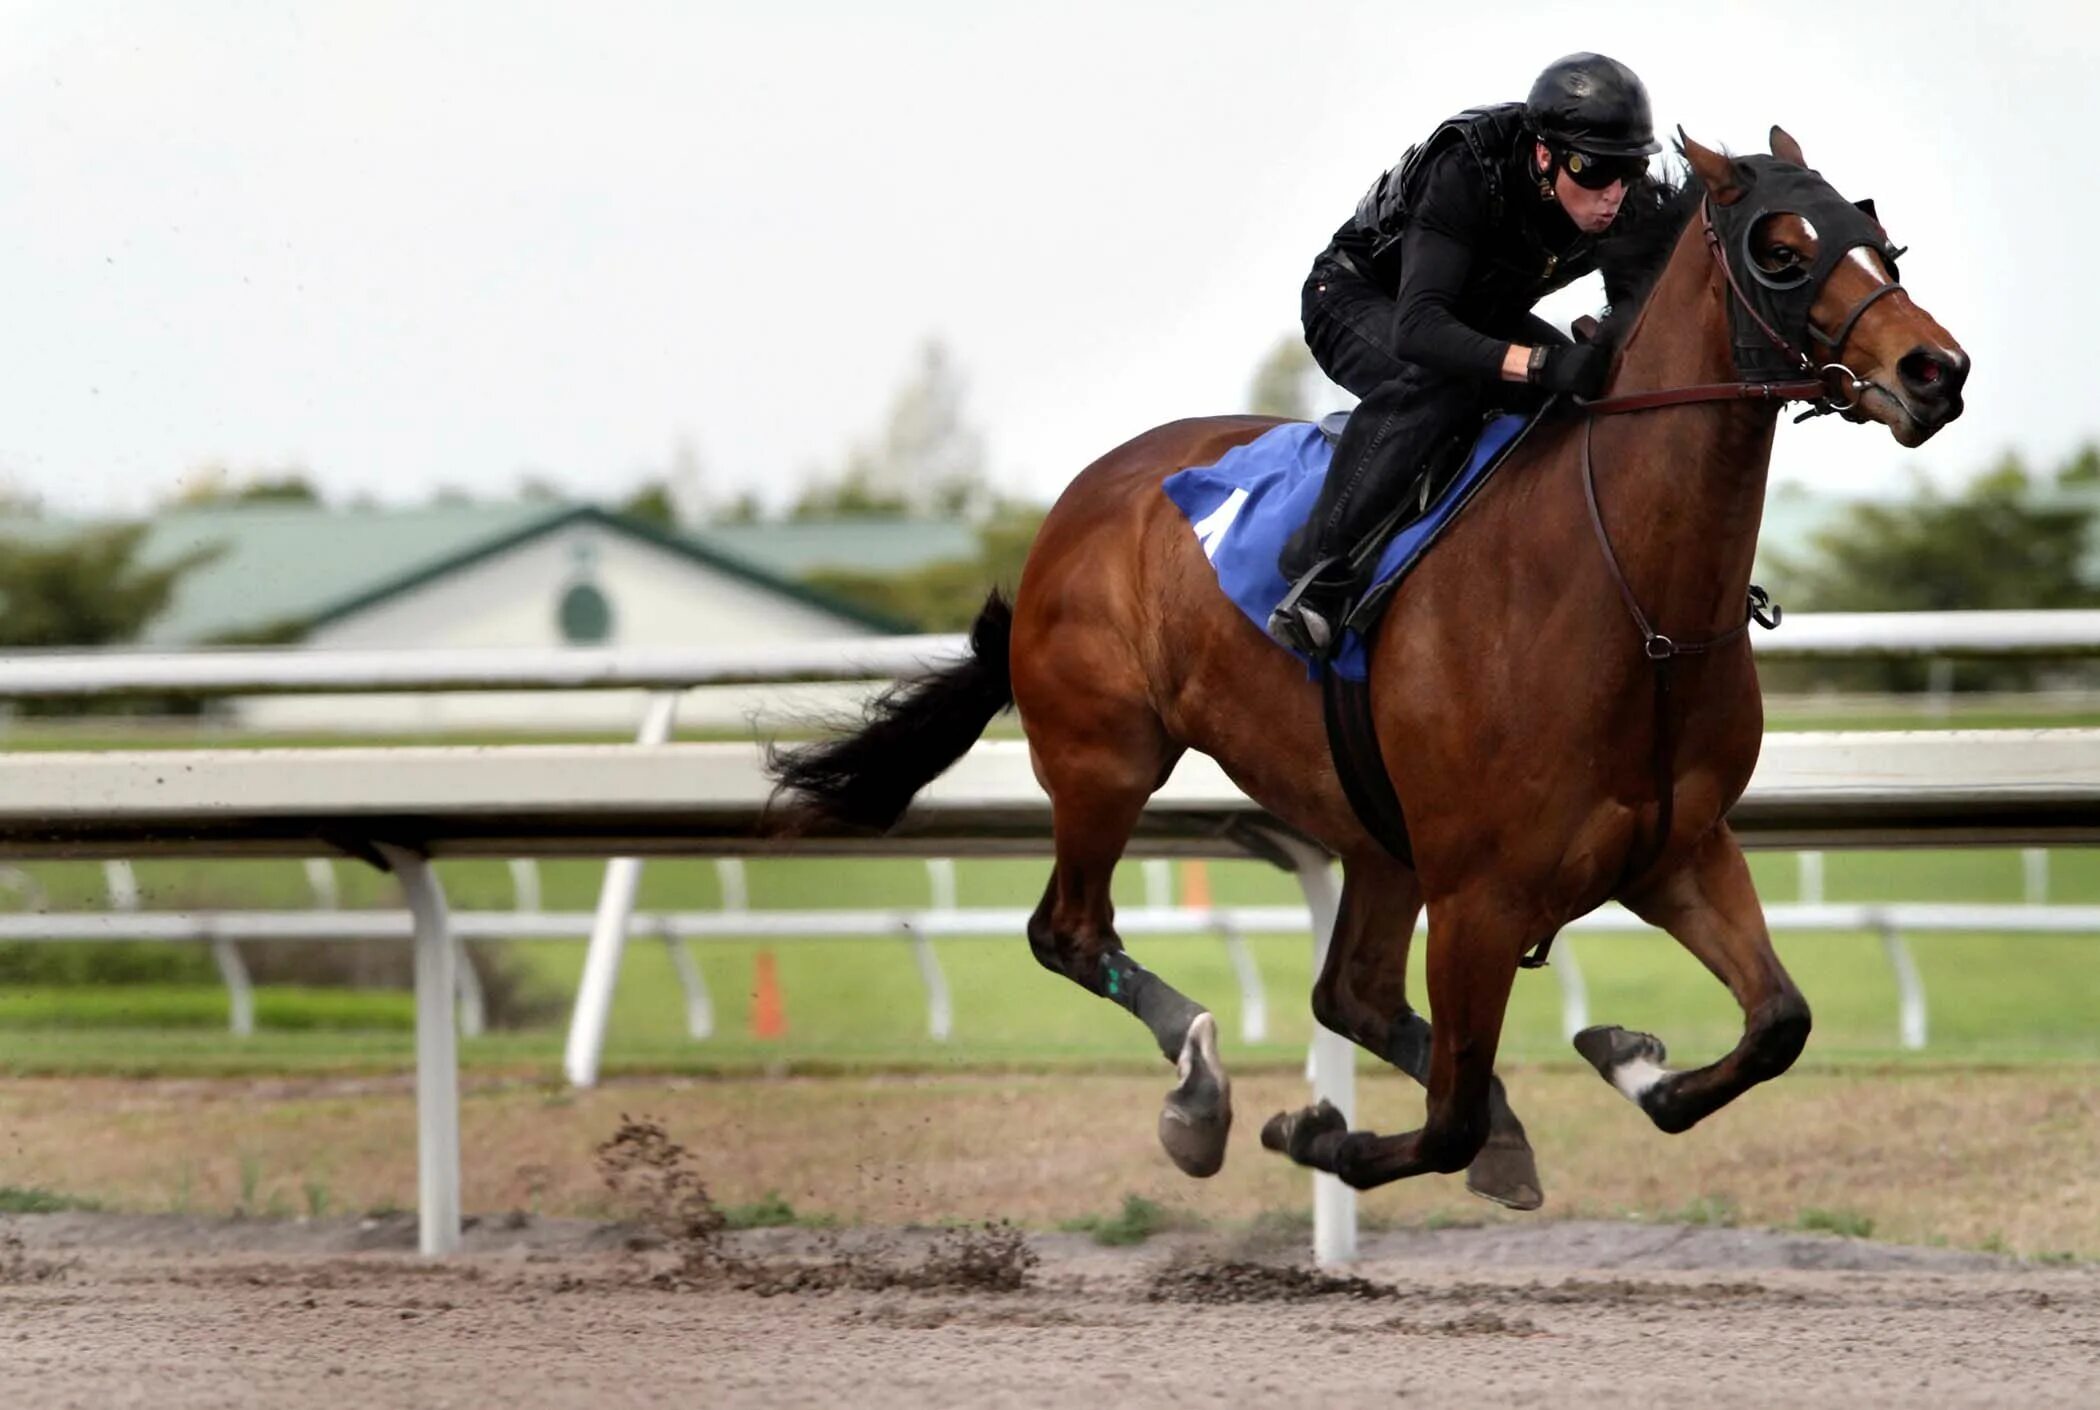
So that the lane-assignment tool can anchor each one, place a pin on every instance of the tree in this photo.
(216, 483)
(90, 590)
(943, 596)
(1280, 386)
(2002, 542)
(651, 504)
(928, 459)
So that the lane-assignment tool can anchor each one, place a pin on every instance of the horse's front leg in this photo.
(1710, 906)
(1474, 944)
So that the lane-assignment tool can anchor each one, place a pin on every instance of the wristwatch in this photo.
(1536, 363)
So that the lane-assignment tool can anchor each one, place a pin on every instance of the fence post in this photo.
(699, 1004)
(601, 962)
(2034, 866)
(1254, 999)
(940, 1008)
(1811, 877)
(1910, 988)
(729, 871)
(525, 885)
(320, 878)
(240, 994)
(122, 883)
(437, 1054)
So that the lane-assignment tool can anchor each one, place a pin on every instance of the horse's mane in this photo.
(1633, 255)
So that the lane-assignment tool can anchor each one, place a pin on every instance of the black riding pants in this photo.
(1407, 410)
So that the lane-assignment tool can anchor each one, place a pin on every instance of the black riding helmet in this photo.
(1594, 106)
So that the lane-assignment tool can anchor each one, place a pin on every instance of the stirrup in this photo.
(1310, 627)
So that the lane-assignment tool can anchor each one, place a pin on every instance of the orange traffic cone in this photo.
(768, 1015)
(1195, 886)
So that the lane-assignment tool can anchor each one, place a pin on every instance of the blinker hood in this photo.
(1783, 299)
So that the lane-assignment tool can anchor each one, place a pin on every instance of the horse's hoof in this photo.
(1506, 1173)
(1293, 1132)
(1197, 1117)
(1632, 1062)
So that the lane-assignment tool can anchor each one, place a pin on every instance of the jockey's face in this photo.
(1591, 211)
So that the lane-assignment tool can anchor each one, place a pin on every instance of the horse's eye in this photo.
(1779, 259)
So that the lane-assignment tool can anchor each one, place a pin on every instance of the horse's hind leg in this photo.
(1098, 784)
(1362, 994)
(1475, 940)
(1710, 906)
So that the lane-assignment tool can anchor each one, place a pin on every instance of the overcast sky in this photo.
(412, 245)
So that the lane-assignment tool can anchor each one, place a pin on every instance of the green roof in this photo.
(279, 563)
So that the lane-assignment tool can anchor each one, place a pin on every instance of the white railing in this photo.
(225, 931)
(400, 807)
(294, 671)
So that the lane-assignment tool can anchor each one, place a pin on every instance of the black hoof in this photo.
(1293, 1132)
(1197, 1117)
(1506, 1173)
(1609, 1049)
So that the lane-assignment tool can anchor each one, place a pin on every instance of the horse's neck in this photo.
(1683, 490)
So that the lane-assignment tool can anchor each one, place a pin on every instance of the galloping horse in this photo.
(1562, 691)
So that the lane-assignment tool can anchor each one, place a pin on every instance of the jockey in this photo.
(1422, 302)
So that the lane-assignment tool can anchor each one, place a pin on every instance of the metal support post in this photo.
(437, 1055)
(1574, 993)
(1333, 1060)
(601, 963)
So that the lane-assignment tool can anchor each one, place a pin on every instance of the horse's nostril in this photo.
(1929, 372)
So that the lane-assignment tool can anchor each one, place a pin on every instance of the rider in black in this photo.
(1421, 306)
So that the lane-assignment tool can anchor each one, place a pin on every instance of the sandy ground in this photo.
(100, 1310)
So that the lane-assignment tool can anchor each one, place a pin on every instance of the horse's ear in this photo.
(1786, 148)
(1714, 171)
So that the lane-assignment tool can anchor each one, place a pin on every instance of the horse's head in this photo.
(1815, 281)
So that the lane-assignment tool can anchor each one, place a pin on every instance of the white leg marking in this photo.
(1203, 1032)
(1638, 1077)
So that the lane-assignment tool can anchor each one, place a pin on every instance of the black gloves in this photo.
(1579, 369)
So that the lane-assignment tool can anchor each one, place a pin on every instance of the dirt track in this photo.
(110, 1310)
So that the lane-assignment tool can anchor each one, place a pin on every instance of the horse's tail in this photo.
(908, 737)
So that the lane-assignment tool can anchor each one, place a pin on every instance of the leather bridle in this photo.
(1820, 385)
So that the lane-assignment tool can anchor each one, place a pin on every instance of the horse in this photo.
(1563, 691)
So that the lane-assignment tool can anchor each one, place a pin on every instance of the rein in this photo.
(1662, 651)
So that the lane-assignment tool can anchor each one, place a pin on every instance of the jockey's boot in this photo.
(1309, 618)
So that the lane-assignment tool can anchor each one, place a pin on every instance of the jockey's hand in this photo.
(1579, 369)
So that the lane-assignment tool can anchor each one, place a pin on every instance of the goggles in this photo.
(1595, 173)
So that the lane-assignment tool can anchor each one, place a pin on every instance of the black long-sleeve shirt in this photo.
(1461, 279)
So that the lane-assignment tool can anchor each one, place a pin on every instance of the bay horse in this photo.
(1515, 688)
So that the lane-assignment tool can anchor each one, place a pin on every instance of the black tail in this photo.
(911, 733)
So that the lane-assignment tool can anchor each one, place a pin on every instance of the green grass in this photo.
(1849, 1223)
(1138, 1220)
(17, 1199)
(858, 1004)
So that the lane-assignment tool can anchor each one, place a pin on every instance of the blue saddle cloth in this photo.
(1244, 507)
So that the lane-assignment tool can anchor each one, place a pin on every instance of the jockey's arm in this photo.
(1433, 266)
